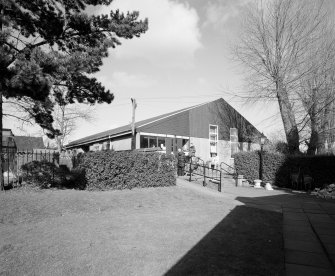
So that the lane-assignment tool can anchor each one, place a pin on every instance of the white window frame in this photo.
(216, 138)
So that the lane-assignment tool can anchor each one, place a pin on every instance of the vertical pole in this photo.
(190, 170)
(2, 186)
(8, 159)
(220, 182)
(53, 169)
(261, 164)
(133, 138)
(204, 183)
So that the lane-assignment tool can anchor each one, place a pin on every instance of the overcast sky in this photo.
(182, 60)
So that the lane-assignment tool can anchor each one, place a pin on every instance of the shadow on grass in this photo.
(248, 241)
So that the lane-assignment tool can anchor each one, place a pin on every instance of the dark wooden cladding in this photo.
(174, 125)
(223, 115)
(195, 122)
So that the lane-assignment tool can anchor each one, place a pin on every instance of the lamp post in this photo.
(262, 142)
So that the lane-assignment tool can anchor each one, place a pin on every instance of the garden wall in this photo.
(104, 170)
(277, 167)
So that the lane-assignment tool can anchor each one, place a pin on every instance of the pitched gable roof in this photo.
(24, 143)
(127, 128)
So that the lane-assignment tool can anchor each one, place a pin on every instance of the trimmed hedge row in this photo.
(247, 164)
(105, 170)
(278, 167)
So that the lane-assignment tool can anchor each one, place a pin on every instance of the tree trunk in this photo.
(324, 130)
(288, 118)
(314, 139)
(2, 186)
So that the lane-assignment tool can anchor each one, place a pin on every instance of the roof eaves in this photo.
(74, 144)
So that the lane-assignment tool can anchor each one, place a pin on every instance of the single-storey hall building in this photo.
(213, 128)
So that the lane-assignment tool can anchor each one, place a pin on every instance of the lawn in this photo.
(152, 231)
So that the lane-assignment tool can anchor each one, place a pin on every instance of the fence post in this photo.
(204, 183)
(220, 181)
(190, 170)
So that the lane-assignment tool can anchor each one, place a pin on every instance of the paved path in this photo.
(308, 226)
(309, 238)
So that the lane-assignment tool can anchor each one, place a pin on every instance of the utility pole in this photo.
(133, 138)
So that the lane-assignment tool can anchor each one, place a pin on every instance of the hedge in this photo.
(105, 170)
(247, 164)
(277, 167)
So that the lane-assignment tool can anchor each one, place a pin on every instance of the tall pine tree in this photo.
(45, 44)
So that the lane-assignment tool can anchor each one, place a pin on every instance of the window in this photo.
(185, 144)
(144, 142)
(151, 142)
(213, 138)
(161, 142)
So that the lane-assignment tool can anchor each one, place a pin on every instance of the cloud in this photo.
(218, 13)
(124, 80)
(173, 36)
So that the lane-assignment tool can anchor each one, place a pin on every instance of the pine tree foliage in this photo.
(46, 45)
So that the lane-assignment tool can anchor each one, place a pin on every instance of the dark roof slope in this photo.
(24, 143)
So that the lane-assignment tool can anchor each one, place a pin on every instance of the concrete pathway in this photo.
(308, 226)
(309, 238)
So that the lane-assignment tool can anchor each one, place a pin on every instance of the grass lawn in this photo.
(154, 231)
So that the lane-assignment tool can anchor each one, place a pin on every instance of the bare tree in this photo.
(317, 89)
(66, 118)
(272, 46)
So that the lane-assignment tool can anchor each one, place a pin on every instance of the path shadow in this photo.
(248, 241)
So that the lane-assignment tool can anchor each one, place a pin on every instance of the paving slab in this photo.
(293, 222)
(305, 246)
(324, 230)
(315, 211)
(326, 224)
(299, 236)
(330, 248)
(329, 208)
(307, 258)
(327, 238)
(292, 210)
(295, 216)
(292, 205)
(320, 218)
(298, 270)
(301, 229)
(332, 258)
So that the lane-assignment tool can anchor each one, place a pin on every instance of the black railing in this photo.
(228, 169)
(14, 160)
(207, 173)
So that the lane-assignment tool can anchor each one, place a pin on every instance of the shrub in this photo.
(126, 170)
(277, 167)
(272, 162)
(319, 167)
(39, 173)
(247, 164)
